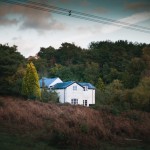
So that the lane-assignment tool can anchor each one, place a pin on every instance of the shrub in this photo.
(49, 96)
(84, 128)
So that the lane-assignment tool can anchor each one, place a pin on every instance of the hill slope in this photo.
(76, 126)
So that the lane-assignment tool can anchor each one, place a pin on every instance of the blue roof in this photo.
(89, 85)
(63, 85)
(47, 81)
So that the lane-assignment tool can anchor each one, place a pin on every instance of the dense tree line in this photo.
(118, 69)
(120, 60)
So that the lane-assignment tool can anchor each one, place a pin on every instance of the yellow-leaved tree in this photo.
(30, 84)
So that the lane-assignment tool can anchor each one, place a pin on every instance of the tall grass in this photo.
(71, 125)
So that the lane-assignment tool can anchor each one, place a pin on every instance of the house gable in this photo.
(75, 93)
(48, 82)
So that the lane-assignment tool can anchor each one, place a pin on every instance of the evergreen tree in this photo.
(10, 61)
(30, 84)
(100, 84)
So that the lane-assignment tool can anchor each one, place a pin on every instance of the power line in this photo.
(76, 14)
(85, 14)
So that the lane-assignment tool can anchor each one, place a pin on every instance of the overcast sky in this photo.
(31, 29)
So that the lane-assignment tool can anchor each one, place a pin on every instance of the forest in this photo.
(119, 70)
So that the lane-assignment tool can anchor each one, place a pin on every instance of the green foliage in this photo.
(91, 72)
(141, 95)
(121, 99)
(30, 84)
(48, 54)
(55, 69)
(41, 66)
(120, 60)
(49, 96)
(146, 59)
(68, 54)
(63, 72)
(83, 72)
(84, 128)
(132, 75)
(10, 61)
(113, 96)
(100, 84)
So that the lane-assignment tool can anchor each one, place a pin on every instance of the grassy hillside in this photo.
(36, 125)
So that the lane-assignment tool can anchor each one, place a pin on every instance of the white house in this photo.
(49, 82)
(75, 93)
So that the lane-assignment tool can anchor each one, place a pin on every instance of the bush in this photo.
(49, 96)
(84, 128)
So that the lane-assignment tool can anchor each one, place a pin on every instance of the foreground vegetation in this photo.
(12, 142)
(51, 125)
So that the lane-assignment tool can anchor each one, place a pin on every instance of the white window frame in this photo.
(85, 88)
(85, 102)
(74, 101)
(75, 88)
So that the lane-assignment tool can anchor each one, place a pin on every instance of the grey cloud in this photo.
(138, 6)
(6, 21)
(29, 18)
(40, 21)
(16, 38)
(90, 29)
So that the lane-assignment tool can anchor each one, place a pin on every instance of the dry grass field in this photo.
(74, 126)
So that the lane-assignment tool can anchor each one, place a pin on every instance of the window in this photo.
(84, 102)
(50, 87)
(85, 88)
(75, 88)
(74, 101)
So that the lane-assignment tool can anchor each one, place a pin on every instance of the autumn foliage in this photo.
(71, 125)
(30, 84)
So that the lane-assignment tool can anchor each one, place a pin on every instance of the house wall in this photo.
(74, 94)
(65, 95)
(61, 96)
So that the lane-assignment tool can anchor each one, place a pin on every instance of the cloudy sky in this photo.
(31, 29)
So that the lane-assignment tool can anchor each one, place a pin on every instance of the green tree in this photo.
(10, 61)
(133, 73)
(48, 54)
(55, 69)
(100, 84)
(141, 95)
(16, 80)
(91, 72)
(146, 59)
(49, 96)
(30, 84)
(41, 66)
(68, 54)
